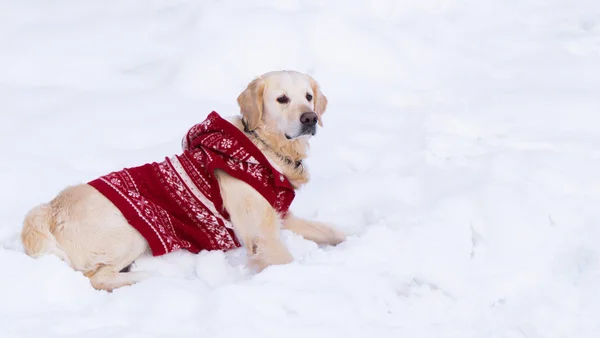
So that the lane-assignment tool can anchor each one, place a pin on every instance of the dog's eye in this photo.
(283, 99)
(308, 96)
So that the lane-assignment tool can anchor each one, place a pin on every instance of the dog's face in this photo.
(285, 102)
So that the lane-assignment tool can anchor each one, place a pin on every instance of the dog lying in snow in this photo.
(231, 186)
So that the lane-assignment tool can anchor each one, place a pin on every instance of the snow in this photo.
(460, 153)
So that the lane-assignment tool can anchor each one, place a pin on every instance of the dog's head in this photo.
(286, 102)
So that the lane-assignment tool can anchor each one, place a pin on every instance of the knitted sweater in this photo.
(176, 204)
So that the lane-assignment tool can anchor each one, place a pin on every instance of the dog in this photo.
(231, 187)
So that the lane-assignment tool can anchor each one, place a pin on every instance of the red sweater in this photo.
(176, 204)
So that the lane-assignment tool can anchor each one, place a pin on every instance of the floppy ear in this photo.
(251, 103)
(320, 100)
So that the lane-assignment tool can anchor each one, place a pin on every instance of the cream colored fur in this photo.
(89, 233)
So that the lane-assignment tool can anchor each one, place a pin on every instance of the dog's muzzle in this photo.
(308, 121)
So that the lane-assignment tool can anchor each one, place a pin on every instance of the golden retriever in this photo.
(279, 114)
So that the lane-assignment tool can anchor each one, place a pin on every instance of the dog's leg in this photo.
(96, 237)
(314, 231)
(105, 278)
(255, 222)
(112, 276)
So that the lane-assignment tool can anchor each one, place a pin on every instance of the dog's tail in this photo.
(36, 235)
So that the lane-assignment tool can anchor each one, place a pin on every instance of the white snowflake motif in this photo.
(133, 194)
(256, 173)
(226, 143)
(233, 164)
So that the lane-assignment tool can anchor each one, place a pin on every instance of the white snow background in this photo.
(461, 153)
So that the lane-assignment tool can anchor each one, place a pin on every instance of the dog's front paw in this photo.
(336, 236)
(266, 253)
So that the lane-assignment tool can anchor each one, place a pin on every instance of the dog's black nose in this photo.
(309, 119)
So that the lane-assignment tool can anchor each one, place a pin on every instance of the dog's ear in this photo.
(251, 103)
(320, 100)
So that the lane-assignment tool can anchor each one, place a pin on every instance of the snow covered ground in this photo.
(461, 152)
